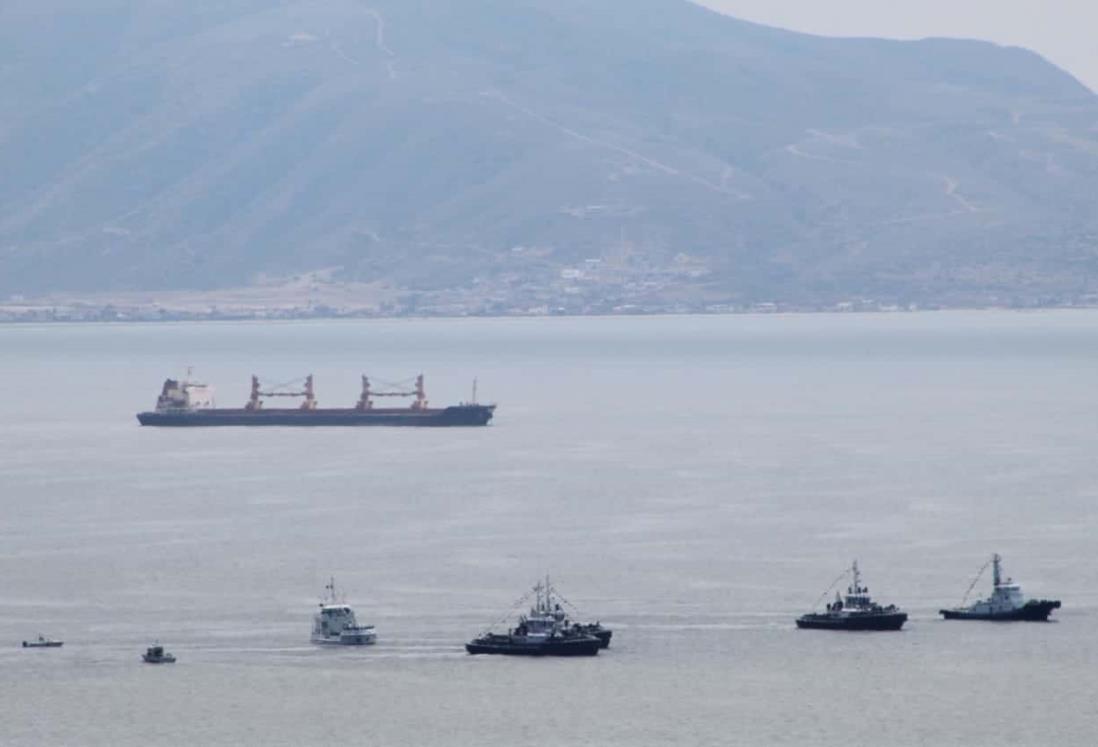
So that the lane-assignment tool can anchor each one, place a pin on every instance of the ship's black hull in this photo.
(886, 621)
(456, 416)
(516, 646)
(1033, 611)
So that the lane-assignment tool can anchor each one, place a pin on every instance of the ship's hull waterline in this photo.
(588, 646)
(353, 640)
(854, 622)
(455, 416)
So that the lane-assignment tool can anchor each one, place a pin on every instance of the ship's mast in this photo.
(254, 402)
(421, 395)
(310, 394)
(331, 589)
(995, 563)
(364, 401)
(857, 578)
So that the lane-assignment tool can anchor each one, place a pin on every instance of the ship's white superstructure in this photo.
(542, 621)
(1006, 596)
(335, 623)
(184, 395)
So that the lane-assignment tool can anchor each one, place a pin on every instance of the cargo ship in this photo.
(190, 404)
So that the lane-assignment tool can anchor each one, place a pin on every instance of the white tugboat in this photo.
(335, 623)
(1006, 603)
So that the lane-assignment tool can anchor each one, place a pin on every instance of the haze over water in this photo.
(694, 482)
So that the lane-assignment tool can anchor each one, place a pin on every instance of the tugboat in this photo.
(335, 623)
(544, 631)
(856, 612)
(157, 655)
(1006, 603)
(43, 642)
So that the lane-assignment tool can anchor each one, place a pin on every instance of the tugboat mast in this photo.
(996, 569)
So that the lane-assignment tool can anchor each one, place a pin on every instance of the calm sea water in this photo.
(694, 482)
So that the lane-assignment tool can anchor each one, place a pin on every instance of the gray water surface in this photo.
(694, 482)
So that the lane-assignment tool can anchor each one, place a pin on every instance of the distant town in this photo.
(84, 312)
(526, 287)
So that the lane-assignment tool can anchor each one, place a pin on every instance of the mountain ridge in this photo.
(497, 146)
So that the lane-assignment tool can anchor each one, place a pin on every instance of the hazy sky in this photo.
(1064, 31)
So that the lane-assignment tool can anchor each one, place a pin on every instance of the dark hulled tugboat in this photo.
(1006, 603)
(157, 655)
(544, 631)
(856, 612)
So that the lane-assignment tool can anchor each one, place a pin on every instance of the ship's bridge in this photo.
(858, 599)
(184, 395)
(1009, 591)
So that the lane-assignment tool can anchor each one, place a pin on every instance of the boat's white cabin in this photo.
(545, 617)
(333, 619)
(1005, 594)
(857, 595)
(184, 395)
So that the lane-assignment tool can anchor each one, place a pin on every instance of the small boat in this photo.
(544, 631)
(597, 630)
(1006, 603)
(335, 623)
(43, 642)
(857, 611)
(157, 655)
